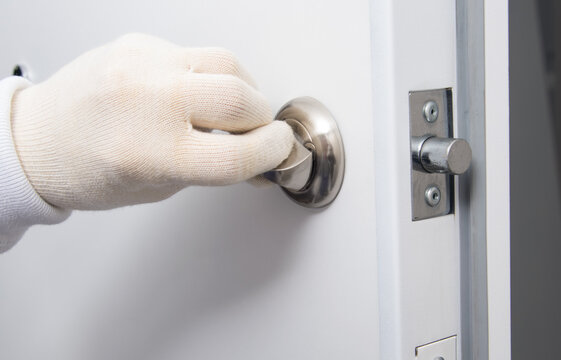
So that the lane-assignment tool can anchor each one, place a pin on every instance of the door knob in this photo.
(440, 155)
(312, 175)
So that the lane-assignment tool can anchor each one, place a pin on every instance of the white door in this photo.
(245, 273)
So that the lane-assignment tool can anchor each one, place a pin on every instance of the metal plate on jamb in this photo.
(430, 114)
(445, 349)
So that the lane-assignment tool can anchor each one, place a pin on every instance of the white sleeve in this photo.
(20, 205)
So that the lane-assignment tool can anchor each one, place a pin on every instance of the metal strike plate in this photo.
(445, 349)
(430, 114)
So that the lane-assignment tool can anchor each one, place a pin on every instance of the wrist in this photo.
(20, 206)
(34, 139)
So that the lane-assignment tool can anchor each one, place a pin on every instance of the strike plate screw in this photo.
(430, 111)
(432, 195)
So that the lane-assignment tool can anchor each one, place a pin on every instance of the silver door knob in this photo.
(312, 175)
(440, 155)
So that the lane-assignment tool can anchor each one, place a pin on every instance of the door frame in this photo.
(474, 62)
(482, 32)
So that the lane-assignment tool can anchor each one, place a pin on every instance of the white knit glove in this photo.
(128, 123)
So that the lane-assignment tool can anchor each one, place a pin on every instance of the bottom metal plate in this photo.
(445, 349)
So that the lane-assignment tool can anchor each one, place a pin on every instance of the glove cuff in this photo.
(20, 205)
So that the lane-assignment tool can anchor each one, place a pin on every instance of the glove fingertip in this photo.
(281, 142)
(260, 181)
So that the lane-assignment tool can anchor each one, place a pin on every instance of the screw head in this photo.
(432, 195)
(430, 111)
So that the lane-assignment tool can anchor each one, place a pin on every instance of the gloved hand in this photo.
(128, 123)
